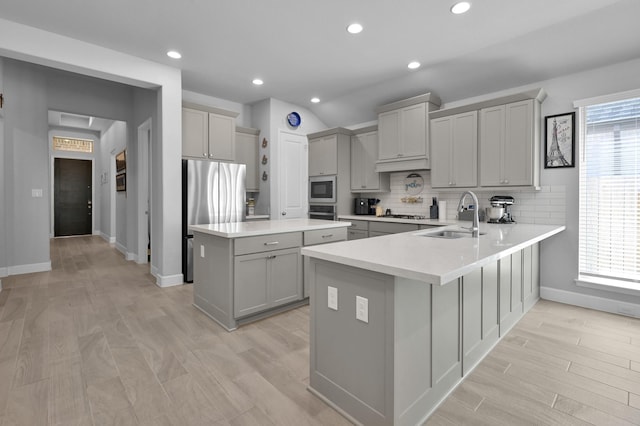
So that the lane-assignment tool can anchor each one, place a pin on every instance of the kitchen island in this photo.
(244, 271)
(398, 321)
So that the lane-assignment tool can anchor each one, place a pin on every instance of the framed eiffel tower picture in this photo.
(560, 135)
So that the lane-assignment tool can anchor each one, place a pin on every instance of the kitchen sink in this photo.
(450, 234)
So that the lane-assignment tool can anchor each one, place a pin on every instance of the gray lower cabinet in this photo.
(420, 339)
(237, 279)
(356, 234)
(386, 228)
(266, 280)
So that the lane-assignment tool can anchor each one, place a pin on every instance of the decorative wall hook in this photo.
(1, 100)
(264, 176)
(264, 142)
(264, 159)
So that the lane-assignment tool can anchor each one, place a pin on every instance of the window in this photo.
(609, 241)
(69, 144)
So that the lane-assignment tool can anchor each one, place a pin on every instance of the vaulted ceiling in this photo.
(301, 48)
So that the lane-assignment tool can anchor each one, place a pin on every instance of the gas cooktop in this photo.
(405, 216)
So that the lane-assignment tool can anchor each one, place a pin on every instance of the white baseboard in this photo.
(122, 249)
(110, 240)
(4, 272)
(169, 280)
(591, 302)
(28, 269)
(131, 256)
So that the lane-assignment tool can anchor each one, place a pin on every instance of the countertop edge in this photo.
(260, 230)
(433, 279)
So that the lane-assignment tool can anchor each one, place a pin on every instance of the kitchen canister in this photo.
(442, 210)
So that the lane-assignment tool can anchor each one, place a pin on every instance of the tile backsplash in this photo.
(545, 206)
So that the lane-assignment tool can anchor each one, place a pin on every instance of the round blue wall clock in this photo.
(294, 120)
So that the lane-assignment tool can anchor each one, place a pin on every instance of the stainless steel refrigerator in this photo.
(212, 192)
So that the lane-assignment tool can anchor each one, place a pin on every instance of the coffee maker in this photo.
(365, 206)
(501, 203)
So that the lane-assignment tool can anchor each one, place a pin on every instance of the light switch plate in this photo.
(201, 250)
(362, 309)
(332, 298)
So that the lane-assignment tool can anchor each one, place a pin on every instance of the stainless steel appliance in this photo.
(500, 210)
(365, 206)
(212, 192)
(322, 211)
(322, 189)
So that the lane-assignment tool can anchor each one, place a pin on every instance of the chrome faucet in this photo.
(475, 229)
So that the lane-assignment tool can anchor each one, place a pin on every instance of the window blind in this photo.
(609, 241)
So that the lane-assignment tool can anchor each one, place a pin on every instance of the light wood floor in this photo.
(95, 342)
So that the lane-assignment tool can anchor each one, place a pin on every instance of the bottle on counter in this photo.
(251, 207)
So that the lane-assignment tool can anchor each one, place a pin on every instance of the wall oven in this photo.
(322, 189)
(325, 212)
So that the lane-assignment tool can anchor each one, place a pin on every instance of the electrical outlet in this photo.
(201, 250)
(332, 298)
(362, 309)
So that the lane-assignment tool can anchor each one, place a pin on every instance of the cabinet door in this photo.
(247, 153)
(323, 156)
(364, 153)
(518, 160)
(441, 139)
(285, 276)
(491, 143)
(389, 135)
(195, 133)
(464, 155)
(222, 130)
(250, 293)
(454, 151)
(413, 131)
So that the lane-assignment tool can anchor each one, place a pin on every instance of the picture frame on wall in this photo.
(560, 135)
(121, 182)
(121, 161)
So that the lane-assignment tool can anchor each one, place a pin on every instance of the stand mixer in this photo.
(500, 210)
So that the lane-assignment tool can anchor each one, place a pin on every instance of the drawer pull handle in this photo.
(273, 256)
(271, 243)
(327, 236)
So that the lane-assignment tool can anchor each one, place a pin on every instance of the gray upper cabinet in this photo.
(208, 132)
(247, 153)
(323, 155)
(454, 150)
(364, 154)
(509, 144)
(403, 142)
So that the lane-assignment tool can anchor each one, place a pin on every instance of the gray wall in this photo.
(26, 166)
(559, 255)
(33, 90)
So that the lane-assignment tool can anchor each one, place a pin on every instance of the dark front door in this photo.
(72, 197)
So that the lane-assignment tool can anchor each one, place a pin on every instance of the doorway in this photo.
(72, 197)
(292, 175)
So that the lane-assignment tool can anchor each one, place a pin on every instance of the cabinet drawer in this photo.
(262, 243)
(321, 236)
(392, 228)
(362, 225)
(356, 234)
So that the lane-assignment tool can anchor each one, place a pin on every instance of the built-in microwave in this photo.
(322, 189)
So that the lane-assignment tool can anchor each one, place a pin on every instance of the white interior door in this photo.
(144, 191)
(292, 175)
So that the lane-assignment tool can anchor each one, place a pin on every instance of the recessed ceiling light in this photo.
(315, 100)
(354, 28)
(460, 7)
(174, 54)
(257, 82)
(413, 65)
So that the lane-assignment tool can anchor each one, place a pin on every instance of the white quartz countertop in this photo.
(433, 260)
(265, 227)
(372, 218)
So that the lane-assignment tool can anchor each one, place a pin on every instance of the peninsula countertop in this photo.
(413, 255)
(266, 227)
